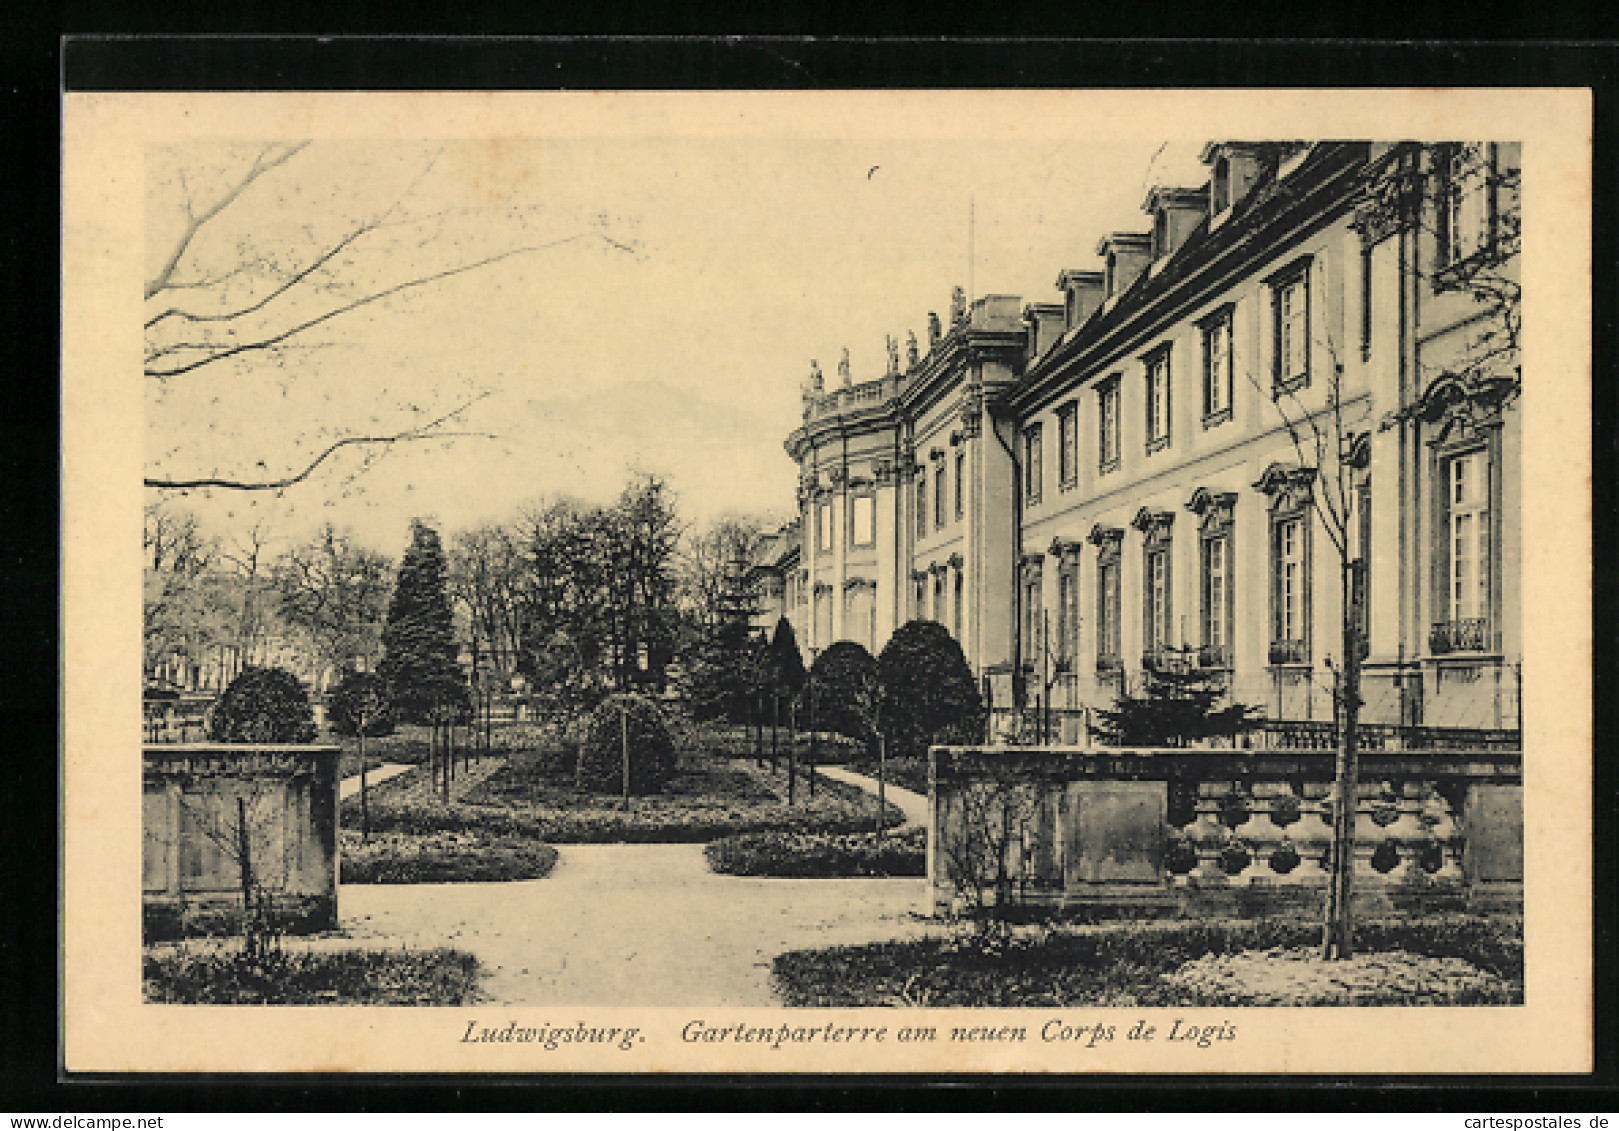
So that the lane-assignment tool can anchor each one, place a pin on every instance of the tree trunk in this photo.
(365, 804)
(882, 784)
(1338, 934)
(792, 753)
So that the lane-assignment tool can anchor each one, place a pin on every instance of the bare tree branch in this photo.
(421, 432)
(262, 164)
(409, 284)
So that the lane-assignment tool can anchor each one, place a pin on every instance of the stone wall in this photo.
(206, 806)
(1221, 832)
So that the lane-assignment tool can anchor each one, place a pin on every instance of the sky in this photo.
(667, 329)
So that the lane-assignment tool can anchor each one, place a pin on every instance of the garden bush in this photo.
(818, 855)
(443, 858)
(928, 694)
(652, 756)
(227, 976)
(263, 705)
(359, 696)
(1117, 964)
(843, 683)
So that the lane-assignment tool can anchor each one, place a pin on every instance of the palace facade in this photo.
(1295, 389)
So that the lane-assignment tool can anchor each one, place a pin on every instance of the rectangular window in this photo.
(1217, 371)
(938, 597)
(863, 520)
(1158, 401)
(921, 504)
(961, 598)
(1468, 495)
(1033, 615)
(919, 593)
(1107, 415)
(1155, 586)
(1290, 303)
(1217, 601)
(1290, 598)
(1067, 446)
(939, 495)
(1033, 468)
(1107, 614)
(1067, 614)
(1467, 207)
(961, 484)
(823, 528)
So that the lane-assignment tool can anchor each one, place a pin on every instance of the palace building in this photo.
(1296, 388)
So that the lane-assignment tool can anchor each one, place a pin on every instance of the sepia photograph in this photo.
(705, 582)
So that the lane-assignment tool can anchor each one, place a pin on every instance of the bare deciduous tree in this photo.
(264, 249)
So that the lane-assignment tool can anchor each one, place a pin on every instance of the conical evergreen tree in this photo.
(418, 664)
(1180, 705)
(786, 662)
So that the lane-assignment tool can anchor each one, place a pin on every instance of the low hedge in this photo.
(442, 858)
(1113, 965)
(819, 856)
(227, 976)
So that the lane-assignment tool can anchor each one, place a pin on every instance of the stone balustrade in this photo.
(1221, 831)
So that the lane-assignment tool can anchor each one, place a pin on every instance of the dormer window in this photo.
(1112, 274)
(1160, 233)
(1220, 186)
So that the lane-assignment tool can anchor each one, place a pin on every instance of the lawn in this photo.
(442, 858)
(221, 974)
(819, 855)
(1440, 960)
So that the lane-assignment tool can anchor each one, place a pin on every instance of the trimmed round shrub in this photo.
(357, 696)
(263, 705)
(651, 749)
(928, 694)
(843, 682)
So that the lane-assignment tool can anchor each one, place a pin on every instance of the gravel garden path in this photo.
(914, 805)
(635, 924)
(348, 787)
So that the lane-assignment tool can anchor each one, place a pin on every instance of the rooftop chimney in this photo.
(1125, 255)
(1082, 293)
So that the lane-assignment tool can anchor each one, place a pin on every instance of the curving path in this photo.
(350, 786)
(635, 924)
(914, 805)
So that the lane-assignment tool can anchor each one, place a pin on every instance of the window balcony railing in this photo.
(1214, 656)
(1320, 734)
(1166, 658)
(1289, 652)
(1470, 635)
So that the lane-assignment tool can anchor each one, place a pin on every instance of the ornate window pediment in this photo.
(1213, 508)
(1106, 539)
(859, 583)
(955, 561)
(1156, 525)
(1065, 548)
(1287, 484)
(1461, 406)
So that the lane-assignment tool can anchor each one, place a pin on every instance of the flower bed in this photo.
(224, 975)
(442, 858)
(531, 798)
(1137, 964)
(817, 855)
